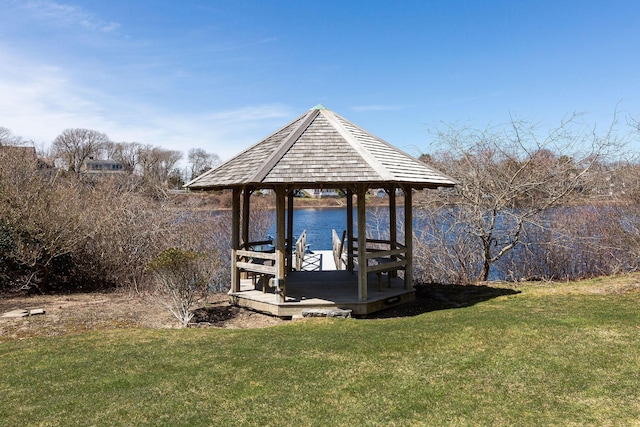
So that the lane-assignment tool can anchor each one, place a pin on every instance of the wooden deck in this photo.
(323, 290)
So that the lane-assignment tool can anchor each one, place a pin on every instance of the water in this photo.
(320, 221)
(544, 253)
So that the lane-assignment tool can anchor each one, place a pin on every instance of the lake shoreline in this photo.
(221, 201)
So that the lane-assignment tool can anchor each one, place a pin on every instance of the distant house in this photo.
(318, 193)
(381, 192)
(93, 166)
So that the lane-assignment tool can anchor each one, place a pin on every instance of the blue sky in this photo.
(221, 75)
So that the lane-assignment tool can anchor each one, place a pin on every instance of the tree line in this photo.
(563, 205)
(74, 147)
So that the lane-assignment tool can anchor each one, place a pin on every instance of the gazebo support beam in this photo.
(408, 235)
(393, 231)
(290, 243)
(246, 213)
(349, 229)
(235, 233)
(362, 242)
(280, 244)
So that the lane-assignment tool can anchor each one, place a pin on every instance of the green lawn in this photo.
(561, 354)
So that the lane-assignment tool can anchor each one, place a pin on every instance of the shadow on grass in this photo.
(436, 296)
(216, 314)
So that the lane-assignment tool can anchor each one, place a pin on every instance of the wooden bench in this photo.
(388, 266)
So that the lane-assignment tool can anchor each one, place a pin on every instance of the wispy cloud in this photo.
(39, 101)
(66, 14)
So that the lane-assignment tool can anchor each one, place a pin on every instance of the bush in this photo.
(182, 279)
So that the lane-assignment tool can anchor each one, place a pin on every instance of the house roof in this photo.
(320, 149)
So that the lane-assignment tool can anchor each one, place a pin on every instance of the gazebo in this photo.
(321, 150)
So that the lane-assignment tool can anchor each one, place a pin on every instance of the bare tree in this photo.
(200, 161)
(41, 219)
(156, 163)
(75, 146)
(8, 138)
(126, 153)
(509, 175)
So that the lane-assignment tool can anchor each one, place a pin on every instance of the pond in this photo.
(320, 221)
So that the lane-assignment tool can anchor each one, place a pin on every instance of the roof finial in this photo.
(319, 107)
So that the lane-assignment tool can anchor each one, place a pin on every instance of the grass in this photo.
(555, 354)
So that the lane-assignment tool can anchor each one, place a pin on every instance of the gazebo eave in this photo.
(417, 185)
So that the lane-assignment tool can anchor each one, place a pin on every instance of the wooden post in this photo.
(280, 246)
(408, 235)
(349, 230)
(393, 223)
(362, 243)
(290, 242)
(246, 213)
(235, 225)
(393, 234)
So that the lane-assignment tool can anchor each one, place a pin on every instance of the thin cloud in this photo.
(60, 13)
(39, 101)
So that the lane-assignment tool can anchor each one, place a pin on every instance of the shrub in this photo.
(182, 279)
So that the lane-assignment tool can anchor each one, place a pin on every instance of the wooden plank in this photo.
(349, 229)
(387, 266)
(246, 209)
(408, 235)
(383, 253)
(280, 241)
(289, 231)
(254, 254)
(362, 237)
(257, 268)
(301, 249)
(393, 222)
(235, 238)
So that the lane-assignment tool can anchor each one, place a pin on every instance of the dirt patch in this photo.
(76, 313)
(67, 314)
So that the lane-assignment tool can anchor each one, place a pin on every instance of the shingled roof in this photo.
(320, 149)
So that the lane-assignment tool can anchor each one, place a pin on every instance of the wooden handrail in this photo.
(256, 267)
(383, 253)
(301, 249)
(337, 245)
(388, 266)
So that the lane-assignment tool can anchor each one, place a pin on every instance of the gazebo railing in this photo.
(337, 244)
(381, 256)
(256, 262)
(301, 250)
